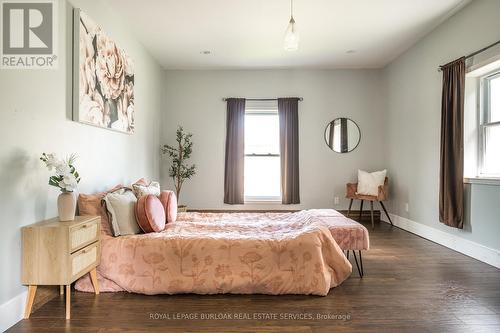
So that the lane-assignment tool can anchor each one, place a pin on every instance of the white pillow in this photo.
(368, 183)
(140, 190)
(121, 207)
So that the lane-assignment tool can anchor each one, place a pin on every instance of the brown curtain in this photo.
(235, 152)
(451, 189)
(289, 149)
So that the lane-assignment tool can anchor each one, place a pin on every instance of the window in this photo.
(262, 152)
(489, 130)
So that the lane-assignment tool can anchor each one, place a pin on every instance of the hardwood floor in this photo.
(410, 285)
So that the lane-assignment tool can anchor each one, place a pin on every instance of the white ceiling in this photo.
(248, 34)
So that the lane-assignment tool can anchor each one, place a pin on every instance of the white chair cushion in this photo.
(368, 183)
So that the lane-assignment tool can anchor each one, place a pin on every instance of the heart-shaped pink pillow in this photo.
(150, 214)
(169, 202)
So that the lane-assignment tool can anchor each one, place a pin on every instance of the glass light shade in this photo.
(291, 37)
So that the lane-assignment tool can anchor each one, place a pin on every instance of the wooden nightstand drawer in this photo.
(84, 259)
(83, 235)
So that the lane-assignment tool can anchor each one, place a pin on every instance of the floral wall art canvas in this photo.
(103, 82)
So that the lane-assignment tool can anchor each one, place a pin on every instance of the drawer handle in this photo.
(84, 226)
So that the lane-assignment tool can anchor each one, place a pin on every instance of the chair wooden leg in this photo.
(349, 211)
(371, 214)
(385, 211)
(29, 301)
(61, 290)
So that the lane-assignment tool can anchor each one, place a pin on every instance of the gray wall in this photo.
(413, 98)
(34, 118)
(194, 99)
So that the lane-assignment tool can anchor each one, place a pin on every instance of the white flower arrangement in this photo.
(66, 177)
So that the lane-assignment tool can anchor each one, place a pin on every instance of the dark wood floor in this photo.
(410, 285)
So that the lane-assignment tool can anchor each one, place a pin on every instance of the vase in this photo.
(66, 205)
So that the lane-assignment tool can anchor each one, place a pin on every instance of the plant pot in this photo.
(66, 205)
(182, 209)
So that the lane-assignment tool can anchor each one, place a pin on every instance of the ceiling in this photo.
(248, 34)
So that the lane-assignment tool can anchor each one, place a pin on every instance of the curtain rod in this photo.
(473, 53)
(259, 99)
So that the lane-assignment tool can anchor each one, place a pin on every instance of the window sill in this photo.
(483, 181)
(262, 201)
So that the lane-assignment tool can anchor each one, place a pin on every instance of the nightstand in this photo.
(59, 253)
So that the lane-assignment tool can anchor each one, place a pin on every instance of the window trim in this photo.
(263, 199)
(261, 112)
(263, 155)
(484, 120)
(492, 181)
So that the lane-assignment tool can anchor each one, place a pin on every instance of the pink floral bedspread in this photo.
(292, 253)
(349, 234)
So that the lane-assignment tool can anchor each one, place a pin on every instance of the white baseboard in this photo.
(459, 244)
(12, 311)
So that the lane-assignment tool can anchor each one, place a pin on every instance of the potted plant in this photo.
(179, 170)
(66, 178)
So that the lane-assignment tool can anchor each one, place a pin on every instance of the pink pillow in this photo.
(91, 204)
(150, 214)
(169, 202)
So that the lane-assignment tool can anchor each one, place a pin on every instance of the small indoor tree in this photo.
(179, 170)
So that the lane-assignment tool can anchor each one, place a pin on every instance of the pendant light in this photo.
(291, 42)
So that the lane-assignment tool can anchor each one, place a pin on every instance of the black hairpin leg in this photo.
(360, 210)
(349, 210)
(387, 214)
(359, 265)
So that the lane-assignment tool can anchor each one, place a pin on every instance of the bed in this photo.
(242, 253)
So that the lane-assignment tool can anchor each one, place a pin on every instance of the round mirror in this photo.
(342, 135)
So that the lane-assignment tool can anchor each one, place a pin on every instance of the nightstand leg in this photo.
(93, 278)
(68, 301)
(61, 289)
(29, 301)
